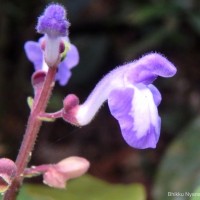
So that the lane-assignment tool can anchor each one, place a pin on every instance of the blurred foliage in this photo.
(196, 195)
(180, 168)
(84, 188)
(108, 33)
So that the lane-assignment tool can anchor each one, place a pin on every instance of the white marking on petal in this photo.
(44, 66)
(144, 111)
(52, 51)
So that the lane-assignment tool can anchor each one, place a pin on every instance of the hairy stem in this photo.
(33, 127)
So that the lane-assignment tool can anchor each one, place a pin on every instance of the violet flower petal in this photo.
(147, 68)
(72, 58)
(34, 53)
(156, 94)
(53, 22)
(137, 114)
(63, 74)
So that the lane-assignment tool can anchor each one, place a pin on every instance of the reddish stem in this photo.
(33, 127)
(37, 170)
(54, 115)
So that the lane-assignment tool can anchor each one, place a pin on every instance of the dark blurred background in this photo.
(107, 33)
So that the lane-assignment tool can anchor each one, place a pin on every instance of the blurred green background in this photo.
(109, 33)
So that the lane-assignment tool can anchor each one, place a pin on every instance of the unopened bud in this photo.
(8, 171)
(70, 104)
(57, 175)
(37, 80)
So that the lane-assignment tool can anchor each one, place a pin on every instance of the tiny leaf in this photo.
(30, 102)
(46, 119)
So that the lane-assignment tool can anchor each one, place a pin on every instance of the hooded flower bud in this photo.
(56, 175)
(72, 167)
(70, 106)
(8, 171)
(37, 80)
(54, 25)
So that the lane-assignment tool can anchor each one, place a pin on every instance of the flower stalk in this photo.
(33, 127)
(53, 57)
(132, 100)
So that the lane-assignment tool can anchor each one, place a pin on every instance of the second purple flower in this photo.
(35, 54)
(54, 48)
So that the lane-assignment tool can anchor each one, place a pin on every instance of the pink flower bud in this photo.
(70, 106)
(37, 80)
(68, 168)
(8, 171)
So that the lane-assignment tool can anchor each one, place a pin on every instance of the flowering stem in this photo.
(37, 170)
(52, 116)
(99, 95)
(33, 127)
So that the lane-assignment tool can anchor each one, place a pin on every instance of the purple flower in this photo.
(132, 99)
(57, 175)
(53, 22)
(34, 53)
(54, 25)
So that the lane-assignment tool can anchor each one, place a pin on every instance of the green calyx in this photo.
(64, 53)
